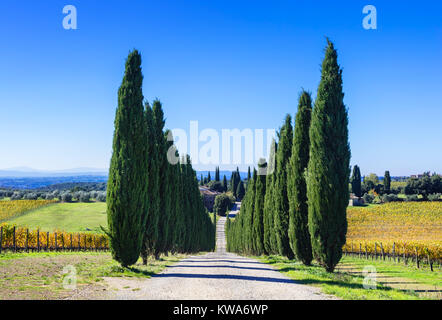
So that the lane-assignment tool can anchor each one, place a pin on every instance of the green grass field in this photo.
(69, 217)
(394, 281)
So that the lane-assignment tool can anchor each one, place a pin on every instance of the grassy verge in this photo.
(345, 284)
(40, 275)
(398, 276)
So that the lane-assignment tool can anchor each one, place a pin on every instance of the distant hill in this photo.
(47, 182)
(24, 172)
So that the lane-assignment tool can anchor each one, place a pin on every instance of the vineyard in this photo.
(405, 230)
(15, 238)
(11, 209)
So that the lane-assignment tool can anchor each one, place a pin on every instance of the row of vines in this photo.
(14, 208)
(409, 231)
(15, 238)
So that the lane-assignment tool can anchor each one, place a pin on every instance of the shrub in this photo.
(17, 196)
(30, 196)
(84, 197)
(435, 197)
(412, 197)
(49, 196)
(368, 198)
(101, 196)
(390, 197)
(66, 197)
(377, 200)
(216, 186)
(222, 204)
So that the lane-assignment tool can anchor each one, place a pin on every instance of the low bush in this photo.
(412, 197)
(435, 197)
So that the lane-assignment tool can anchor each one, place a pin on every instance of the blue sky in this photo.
(227, 64)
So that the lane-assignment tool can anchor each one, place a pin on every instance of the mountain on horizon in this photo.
(21, 172)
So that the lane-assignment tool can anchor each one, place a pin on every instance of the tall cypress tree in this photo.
(208, 177)
(387, 182)
(281, 217)
(217, 174)
(258, 213)
(151, 231)
(356, 181)
(240, 191)
(127, 211)
(328, 168)
(162, 163)
(170, 195)
(224, 184)
(250, 239)
(298, 224)
(270, 245)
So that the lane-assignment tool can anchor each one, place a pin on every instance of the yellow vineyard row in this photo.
(13, 237)
(396, 228)
(10, 209)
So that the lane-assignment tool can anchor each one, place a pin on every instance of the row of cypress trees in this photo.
(153, 201)
(298, 209)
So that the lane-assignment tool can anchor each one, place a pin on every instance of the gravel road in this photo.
(216, 275)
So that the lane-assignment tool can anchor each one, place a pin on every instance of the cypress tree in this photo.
(299, 235)
(387, 181)
(170, 195)
(127, 211)
(258, 213)
(270, 245)
(217, 174)
(356, 181)
(250, 231)
(328, 168)
(208, 177)
(151, 231)
(281, 217)
(160, 140)
(201, 180)
(232, 186)
(224, 184)
(240, 191)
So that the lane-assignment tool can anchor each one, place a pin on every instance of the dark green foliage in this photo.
(234, 181)
(224, 184)
(328, 168)
(208, 177)
(258, 213)
(240, 191)
(222, 204)
(281, 201)
(424, 185)
(299, 235)
(216, 186)
(217, 174)
(127, 204)
(161, 147)
(387, 182)
(356, 181)
(270, 244)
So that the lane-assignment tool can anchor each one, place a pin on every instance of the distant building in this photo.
(208, 197)
(355, 201)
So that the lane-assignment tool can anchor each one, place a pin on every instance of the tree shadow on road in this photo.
(223, 276)
(221, 266)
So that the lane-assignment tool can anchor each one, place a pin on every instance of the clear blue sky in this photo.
(227, 64)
